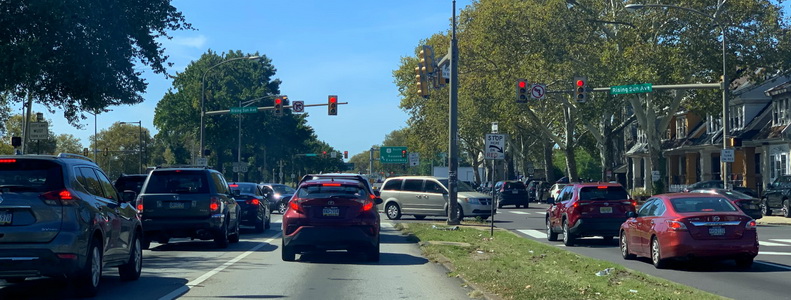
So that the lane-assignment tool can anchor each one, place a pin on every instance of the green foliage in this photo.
(120, 147)
(67, 143)
(588, 166)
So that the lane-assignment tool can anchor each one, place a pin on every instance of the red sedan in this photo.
(689, 225)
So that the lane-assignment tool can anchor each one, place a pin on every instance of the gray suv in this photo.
(423, 196)
(61, 216)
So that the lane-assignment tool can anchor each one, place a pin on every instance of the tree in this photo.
(67, 143)
(80, 55)
(13, 126)
(120, 149)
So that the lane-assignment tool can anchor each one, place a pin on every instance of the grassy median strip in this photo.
(513, 267)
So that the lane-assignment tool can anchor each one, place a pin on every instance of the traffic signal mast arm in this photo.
(265, 108)
(656, 87)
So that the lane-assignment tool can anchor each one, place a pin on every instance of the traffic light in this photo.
(734, 142)
(521, 91)
(427, 59)
(323, 153)
(581, 88)
(279, 106)
(422, 82)
(106, 151)
(16, 141)
(345, 154)
(332, 105)
(403, 153)
(84, 151)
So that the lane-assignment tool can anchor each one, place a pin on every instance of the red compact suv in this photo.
(588, 209)
(331, 214)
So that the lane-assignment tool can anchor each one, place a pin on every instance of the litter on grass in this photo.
(605, 272)
(444, 228)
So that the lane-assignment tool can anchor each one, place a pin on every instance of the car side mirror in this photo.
(128, 196)
(631, 214)
(237, 193)
(378, 200)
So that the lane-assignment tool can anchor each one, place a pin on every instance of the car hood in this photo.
(473, 195)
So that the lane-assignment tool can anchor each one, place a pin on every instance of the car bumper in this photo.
(473, 210)
(41, 259)
(682, 244)
(506, 199)
(249, 215)
(182, 227)
(597, 227)
(332, 238)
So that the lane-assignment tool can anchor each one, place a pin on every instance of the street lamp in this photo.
(140, 135)
(713, 18)
(203, 94)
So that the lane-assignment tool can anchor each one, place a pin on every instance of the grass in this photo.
(513, 267)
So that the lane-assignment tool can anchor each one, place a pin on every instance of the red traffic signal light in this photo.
(279, 106)
(403, 153)
(345, 154)
(521, 91)
(332, 105)
(580, 82)
(324, 153)
(581, 88)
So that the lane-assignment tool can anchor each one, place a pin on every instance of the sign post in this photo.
(495, 150)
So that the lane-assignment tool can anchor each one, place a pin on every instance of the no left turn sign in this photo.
(299, 106)
(538, 91)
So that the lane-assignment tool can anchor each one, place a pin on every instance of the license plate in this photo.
(176, 205)
(5, 217)
(605, 210)
(717, 231)
(331, 212)
(514, 192)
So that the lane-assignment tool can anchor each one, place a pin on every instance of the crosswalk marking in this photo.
(527, 213)
(774, 253)
(781, 240)
(765, 243)
(534, 233)
(520, 212)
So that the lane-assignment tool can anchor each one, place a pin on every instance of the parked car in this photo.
(777, 196)
(511, 193)
(277, 195)
(423, 196)
(130, 182)
(588, 209)
(331, 214)
(533, 190)
(717, 184)
(188, 203)
(751, 206)
(255, 210)
(61, 217)
(689, 225)
(554, 191)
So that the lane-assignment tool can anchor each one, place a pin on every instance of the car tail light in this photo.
(233, 185)
(296, 205)
(750, 225)
(368, 205)
(58, 197)
(631, 202)
(67, 256)
(139, 203)
(676, 225)
(602, 187)
(214, 206)
(253, 201)
(7, 161)
(576, 204)
(331, 184)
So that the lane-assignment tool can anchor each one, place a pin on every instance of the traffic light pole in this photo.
(453, 147)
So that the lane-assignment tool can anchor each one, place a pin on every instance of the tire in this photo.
(393, 211)
(86, 280)
(260, 226)
(461, 211)
(287, 254)
(499, 205)
(786, 208)
(526, 205)
(373, 254)
(656, 254)
(131, 270)
(420, 217)
(551, 235)
(234, 238)
(15, 279)
(744, 262)
(568, 238)
(281, 208)
(622, 240)
(145, 243)
(221, 237)
(268, 223)
(765, 210)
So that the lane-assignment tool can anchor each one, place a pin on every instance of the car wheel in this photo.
(146, 243)
(87, 279)
(221, 237)
(551, 235)
(15, 279)
(393, 211)
(744, 262)
(786, 208)
(765, 210)
(373, 253)
(568, 238)
(268, 223)
(287, 254)
(260, 225)
(131, 269)
(656, 254)
(281, 208)
(420, 217)
(526, 205)
(625, 247)
(234, 238)
(460, 212)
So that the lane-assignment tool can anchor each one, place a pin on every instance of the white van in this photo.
(423, 196)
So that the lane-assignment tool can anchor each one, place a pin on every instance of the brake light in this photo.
(676, 225)
(58, 197)
(750, 225)
(139, 204)
(296, 205)
(368, 205)
(331, 184)
(372, 196)
(253, 201)
(214, 206)
(7, 161)
(576, 204)
(233, 185)
(68, 256)
(602, 187)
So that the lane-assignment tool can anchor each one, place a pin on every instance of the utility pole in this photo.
(453, 147)
(281, 171)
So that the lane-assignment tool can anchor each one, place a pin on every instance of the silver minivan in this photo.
(423, 196)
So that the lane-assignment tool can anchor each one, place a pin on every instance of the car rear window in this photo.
(244, 188)
(29, 175)
(130, 183)
(178, 181)
(514, 186)
(283, 189)
(394, 185)
(316, 191)
(603, 193)
(707, 204)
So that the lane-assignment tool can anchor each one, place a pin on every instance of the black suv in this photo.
(777, 196)
(130, 182)
(61, 216)
(188, 203)
(511, 193)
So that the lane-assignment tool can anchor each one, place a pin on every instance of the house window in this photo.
(737, 117)
(681, 127)
(712, 124)
(641, 138)
(781, 110)
(778, 165)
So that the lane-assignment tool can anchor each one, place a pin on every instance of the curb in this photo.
(445, 262)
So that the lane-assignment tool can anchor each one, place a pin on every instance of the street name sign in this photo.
(298, 106)
(244, 110)
(631, 89)
(392, 155)
(495, 146)
(727, 155)
(38, 131)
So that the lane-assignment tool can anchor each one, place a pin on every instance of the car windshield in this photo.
(603, 193)
(178, 181)
(463, 187)
(283, 189)
(130, 183)
(702, 204)
(244, 188)
(29, 175)
(323, 191)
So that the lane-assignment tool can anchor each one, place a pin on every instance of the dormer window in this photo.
(681, 127)
(641, 137)
(713, 124)
(737, 117)
(780, 111)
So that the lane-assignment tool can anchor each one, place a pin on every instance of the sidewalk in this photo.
(774, 220)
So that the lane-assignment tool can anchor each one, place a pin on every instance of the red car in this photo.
(588, 209)
(331, 214)
(689, 225)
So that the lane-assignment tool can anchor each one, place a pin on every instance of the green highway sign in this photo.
(392, 155)
(311, 154)
(244, 110)
(631, 89)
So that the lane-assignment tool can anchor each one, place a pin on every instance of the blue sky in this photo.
(344, 48)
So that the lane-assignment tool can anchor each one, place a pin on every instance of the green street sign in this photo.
(244, 110)
(631, 89)
(393, 155)
(311, 154)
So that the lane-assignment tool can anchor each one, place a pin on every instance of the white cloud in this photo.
(197, 42)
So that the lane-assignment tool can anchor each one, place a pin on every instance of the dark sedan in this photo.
(277, 195)
(717, 184)
(751, 206)
(255, 211)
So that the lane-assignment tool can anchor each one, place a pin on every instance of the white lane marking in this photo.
(772, 265)
(765, 243)
(520, 212)
(534, 233)
(781, 240)
(541, 212)
(774, 253)
(184, 289)
(388, 225)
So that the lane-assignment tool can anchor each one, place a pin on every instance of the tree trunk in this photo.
(549, 168)
(571, 163)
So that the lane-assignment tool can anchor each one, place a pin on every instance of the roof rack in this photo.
(71, 155)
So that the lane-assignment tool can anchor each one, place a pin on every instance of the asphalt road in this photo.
(253, 269)
(769, 278)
